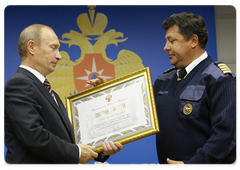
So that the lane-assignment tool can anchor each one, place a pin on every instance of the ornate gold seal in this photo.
(187, 109)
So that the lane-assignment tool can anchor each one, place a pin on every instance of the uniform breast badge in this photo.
(187, 109)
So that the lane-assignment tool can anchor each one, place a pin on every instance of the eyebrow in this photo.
(169, 37)
(56, 45)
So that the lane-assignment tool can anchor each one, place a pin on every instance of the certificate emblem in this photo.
(187, 109)
(108, 98)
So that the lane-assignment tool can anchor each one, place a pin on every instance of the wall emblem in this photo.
(70, 76)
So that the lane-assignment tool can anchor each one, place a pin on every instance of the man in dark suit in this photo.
(37, 129)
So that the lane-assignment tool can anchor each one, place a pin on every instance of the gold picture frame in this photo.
(121, 110)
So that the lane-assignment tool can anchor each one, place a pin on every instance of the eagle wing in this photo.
(127, 62)
(62, 81)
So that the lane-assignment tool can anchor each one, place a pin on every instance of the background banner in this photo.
(110, 41)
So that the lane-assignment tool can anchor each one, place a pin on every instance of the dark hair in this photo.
(188, 24)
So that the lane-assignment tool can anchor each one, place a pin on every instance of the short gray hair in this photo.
(32, 32)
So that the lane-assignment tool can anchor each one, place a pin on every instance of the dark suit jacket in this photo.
(37, 130)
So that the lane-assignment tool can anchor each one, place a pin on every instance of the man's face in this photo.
(177, 47)
(47, 53)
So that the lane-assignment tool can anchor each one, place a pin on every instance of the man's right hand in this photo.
(97, 81)
(87, 153)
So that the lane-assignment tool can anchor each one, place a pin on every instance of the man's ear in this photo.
(31, 46)
(194, 41)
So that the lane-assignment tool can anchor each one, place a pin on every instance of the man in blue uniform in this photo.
(195, 100)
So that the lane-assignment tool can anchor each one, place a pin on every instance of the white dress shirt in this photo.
(193, 64)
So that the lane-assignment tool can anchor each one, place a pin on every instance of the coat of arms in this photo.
(70, 76)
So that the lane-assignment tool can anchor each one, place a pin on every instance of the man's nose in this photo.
(58, 55)
(166, 47)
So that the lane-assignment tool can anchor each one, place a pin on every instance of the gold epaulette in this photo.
(224, 68)
(173, 68)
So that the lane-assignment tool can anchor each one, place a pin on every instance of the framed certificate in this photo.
(121, 110)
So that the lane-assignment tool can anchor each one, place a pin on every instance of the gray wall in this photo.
(225, 18)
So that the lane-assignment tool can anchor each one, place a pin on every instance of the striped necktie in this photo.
(181, 74)
(47, 84)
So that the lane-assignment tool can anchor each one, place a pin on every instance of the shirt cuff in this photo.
(79, 148)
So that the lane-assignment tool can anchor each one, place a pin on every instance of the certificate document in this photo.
(119, 112)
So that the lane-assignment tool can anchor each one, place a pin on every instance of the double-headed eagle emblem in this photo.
(70, 76)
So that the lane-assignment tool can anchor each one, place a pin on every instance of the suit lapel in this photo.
(43, 89)
(68, 124)
(61, 112)
(45, 92)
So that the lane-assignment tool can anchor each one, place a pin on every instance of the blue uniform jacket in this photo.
(197, 117)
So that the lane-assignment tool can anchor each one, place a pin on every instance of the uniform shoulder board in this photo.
(171, 69)
(223, 67)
